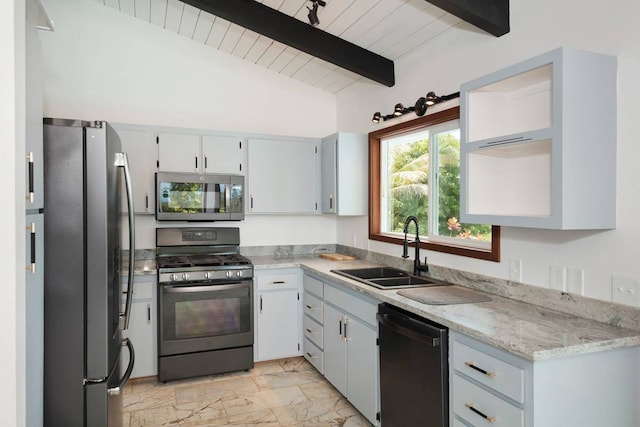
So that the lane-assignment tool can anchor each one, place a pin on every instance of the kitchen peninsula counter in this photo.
(529, 331)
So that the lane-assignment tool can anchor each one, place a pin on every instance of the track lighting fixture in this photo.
(313, 11)
(420, 107)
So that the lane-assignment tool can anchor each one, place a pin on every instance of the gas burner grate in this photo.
(174, 262)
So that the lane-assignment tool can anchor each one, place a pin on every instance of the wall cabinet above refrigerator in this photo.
(538, 146)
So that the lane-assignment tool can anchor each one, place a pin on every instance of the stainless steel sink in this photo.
(372, 273)
(388, 277)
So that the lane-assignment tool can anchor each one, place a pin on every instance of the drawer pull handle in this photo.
(311, 332)
(482, 371)
(310, 307)
(473, 409)
(278, 282)
(311, 356)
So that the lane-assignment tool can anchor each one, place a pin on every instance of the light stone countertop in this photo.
(532, 332)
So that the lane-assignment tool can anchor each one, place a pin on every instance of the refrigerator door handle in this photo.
(114, 391)
(123, 162)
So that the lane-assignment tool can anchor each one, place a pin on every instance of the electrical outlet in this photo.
(625, 291)
(558, 277)
(515, 270)
(575, 281)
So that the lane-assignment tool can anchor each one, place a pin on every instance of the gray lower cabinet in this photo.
(313, 322)
(277, 316)
(142, 330)
(350, 350)
(489, 386)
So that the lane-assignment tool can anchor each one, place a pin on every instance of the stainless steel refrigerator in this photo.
(83, 321)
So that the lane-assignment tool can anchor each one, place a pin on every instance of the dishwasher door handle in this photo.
(385, 320)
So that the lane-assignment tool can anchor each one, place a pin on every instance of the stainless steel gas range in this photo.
(205, 302)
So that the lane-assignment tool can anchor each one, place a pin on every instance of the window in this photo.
(415, 170)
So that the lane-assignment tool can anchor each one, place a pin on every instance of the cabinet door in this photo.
(335, 350)
(283, 176)
(222, 154)
(34, 317)
(141, 332)
(140, 148)
(179, 152)
(362, 368)
(278, 325)
(329, 146)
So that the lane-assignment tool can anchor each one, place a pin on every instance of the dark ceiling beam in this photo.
(491, 16)
(281, 27)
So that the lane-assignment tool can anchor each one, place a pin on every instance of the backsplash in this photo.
(603, 311)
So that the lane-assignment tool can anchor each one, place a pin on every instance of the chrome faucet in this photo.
(417, 265)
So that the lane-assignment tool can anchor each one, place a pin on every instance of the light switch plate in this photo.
(558, 277)
(625, 290)
(575, 281)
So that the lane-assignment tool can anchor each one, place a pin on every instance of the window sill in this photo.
(492, 254)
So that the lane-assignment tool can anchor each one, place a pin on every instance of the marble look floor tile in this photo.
(265, 399)
(286, 392)
(287, 378)
(319, 390)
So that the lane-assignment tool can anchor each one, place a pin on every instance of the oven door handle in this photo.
(189, 289)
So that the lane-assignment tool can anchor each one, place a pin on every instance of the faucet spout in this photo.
(417, 265)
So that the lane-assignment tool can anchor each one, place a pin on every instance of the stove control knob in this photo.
(185, 276)
(239, 273)
(228, 274)
(173, 277)
(207, 275)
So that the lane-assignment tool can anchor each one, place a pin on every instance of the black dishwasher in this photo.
(414, 381)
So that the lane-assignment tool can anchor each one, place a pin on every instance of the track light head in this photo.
(313, 12)
(376, 117)
(398, 110)
(431, 98)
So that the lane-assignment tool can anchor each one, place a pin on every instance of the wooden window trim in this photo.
(374, 189)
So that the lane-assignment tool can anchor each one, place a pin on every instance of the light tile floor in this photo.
(287, 392)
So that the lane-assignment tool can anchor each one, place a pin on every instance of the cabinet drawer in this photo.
(141, 290)
(313, 285)
(458, 423)
(313, 307)
(312, 331)
(277, 281)
(359, 306)
(480, 407)
(490, 371)
(314, 355)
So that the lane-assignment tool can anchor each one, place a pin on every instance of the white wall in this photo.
(464, 53)
(101, 64)
(12, 223)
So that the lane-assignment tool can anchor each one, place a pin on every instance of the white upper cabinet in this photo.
(222, 154)
(189, 152)
(179, 152)
(345, 174)
(139, 144)
(283, 176)
(538, 143)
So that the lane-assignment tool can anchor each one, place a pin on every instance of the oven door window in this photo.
(196, 197)
(191, 312)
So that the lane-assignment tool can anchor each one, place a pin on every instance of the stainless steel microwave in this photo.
(199, 197)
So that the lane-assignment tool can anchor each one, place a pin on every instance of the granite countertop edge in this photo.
(531, 332)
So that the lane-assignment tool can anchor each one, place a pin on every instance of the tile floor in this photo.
(287, 392)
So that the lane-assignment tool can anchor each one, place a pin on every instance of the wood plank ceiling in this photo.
(390, 28)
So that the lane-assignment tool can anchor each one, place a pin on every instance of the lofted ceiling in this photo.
(383, 29)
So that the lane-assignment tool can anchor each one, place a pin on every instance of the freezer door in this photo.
(102, 198)
(103, 409)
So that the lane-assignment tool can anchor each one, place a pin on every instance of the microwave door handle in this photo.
(227, 198)
(123, 162)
